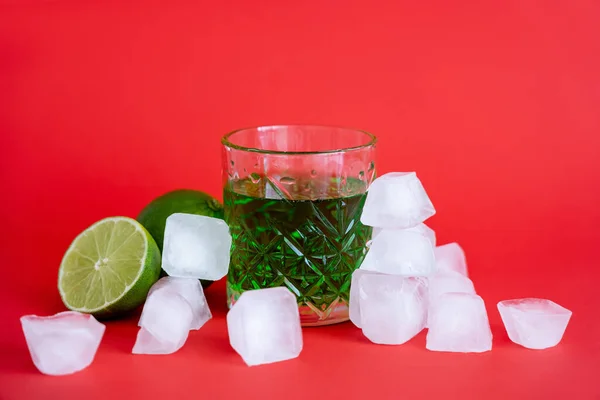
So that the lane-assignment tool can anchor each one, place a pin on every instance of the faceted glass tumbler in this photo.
(293, 197)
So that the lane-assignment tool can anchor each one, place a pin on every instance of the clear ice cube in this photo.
(196, 246)
(396, 200)
(421, 228)
(264, 326)
(458, 322)
(354, 307)
(400, 252)
(63, 343)
(393, 309)
(167, 317)
(451, 257)
(191, 290)
(534, 323)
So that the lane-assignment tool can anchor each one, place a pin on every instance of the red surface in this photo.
(104, 105)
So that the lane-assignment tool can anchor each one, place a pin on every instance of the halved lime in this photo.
(109, 268)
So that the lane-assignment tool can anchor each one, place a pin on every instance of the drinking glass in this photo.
(293, 197)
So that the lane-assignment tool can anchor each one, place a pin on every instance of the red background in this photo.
(105, 105)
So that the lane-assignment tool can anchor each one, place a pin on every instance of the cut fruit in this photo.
(109, 268)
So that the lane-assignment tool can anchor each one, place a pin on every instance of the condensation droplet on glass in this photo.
(245, 170)
(232, 163)
(286, 180)
(313, 173)
(371, 166)
(254, 177)
(361, 175)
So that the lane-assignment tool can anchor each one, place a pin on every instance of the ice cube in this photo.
(534, 323)
(264, 326)
(196, 246)
(355, 295)
(167, 317)
(146, 343)
(400, 252)
(458, 322)
(451, 257)
(396, 200)
(393, 309)
(63, 343)
(421, 228)
(191, 290)
(449, 282)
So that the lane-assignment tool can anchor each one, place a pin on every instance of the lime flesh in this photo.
(109, 268)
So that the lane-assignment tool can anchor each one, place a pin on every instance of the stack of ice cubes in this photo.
(263, 325)
(195, 247)
(406, 283)
(174, 306)
(457, 319)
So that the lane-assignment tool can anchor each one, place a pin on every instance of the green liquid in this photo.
(310, 246)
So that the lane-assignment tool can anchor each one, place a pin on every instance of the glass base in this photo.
(337, 313)
(309, 314)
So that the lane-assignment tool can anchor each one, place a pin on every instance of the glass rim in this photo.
(226, 142)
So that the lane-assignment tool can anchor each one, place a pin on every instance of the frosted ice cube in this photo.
(63, 343)
(167, 317)
(191, 290)
(146, 343)
(534, 323)
(451, 257)
(393, 308)
(264, 326)
(196, 246)
(458, 322)
(400, 252)
(421, 228)
(396, 200)
(449, 282)
(354, 307)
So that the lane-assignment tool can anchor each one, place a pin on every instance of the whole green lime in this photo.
(154, 216)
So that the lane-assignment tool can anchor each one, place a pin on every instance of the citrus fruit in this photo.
(154, 215)
(109, 268)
